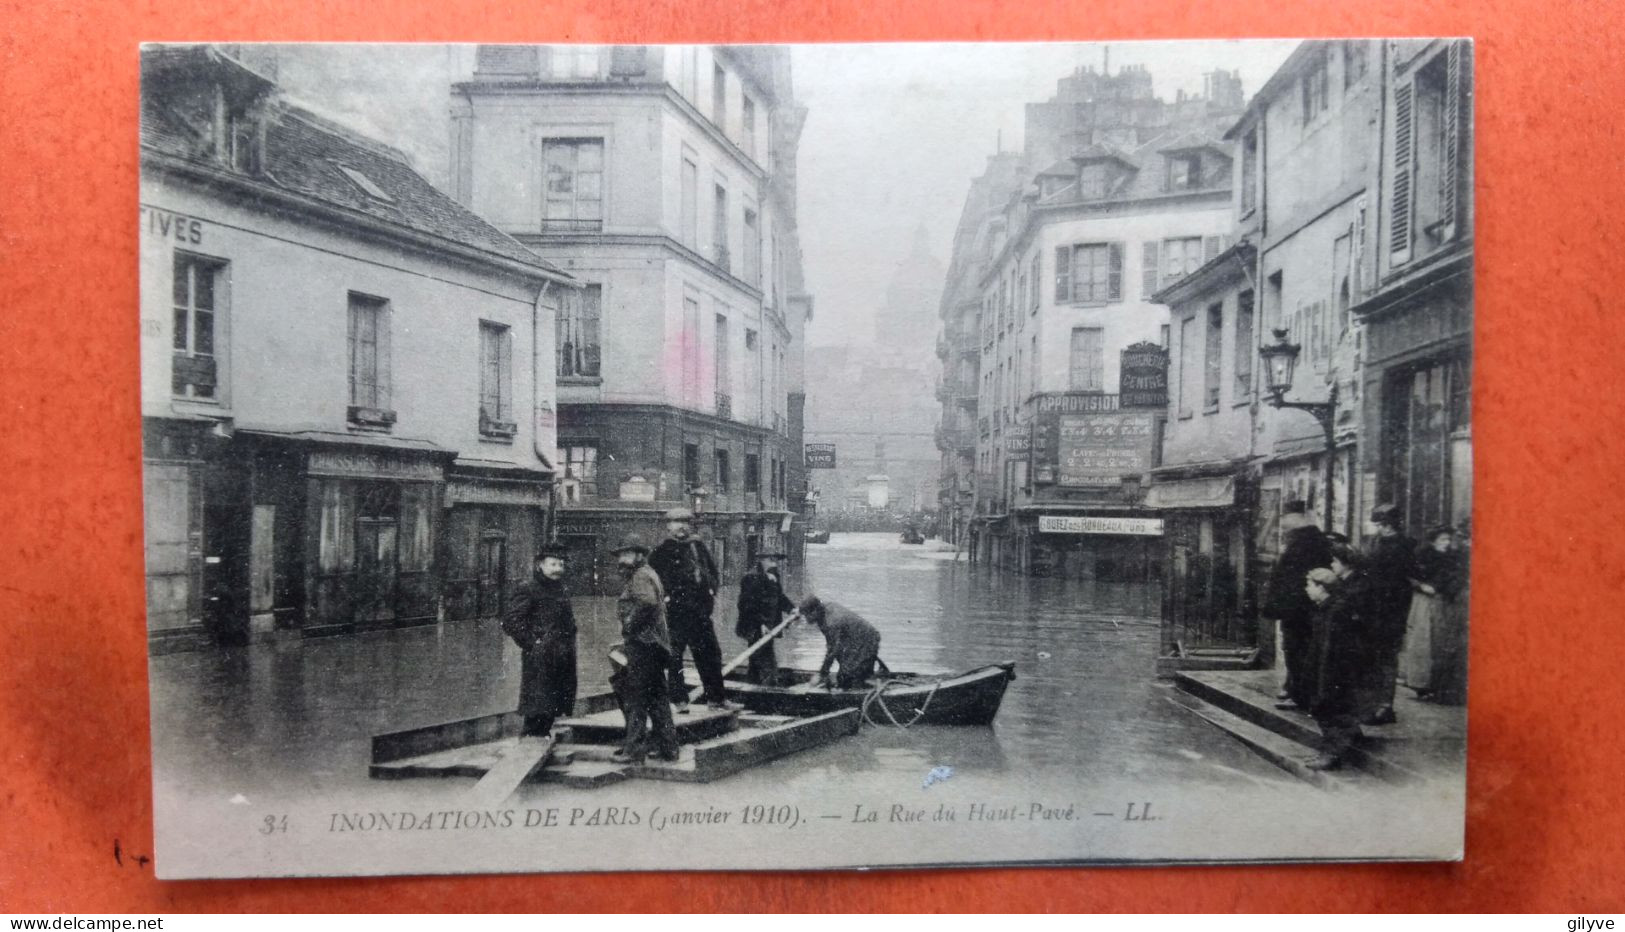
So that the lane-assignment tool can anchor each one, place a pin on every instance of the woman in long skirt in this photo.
(1434, 587)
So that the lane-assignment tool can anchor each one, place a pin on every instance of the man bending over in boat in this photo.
(851, 643)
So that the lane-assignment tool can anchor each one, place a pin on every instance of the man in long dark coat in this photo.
(762, 603)
(641, 685)
(1304, 548)
(1390, 566)
(1341, 648)
(689, 576)
(540, 620)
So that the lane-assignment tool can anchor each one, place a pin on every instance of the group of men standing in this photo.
(665, 610)
(1345, 616)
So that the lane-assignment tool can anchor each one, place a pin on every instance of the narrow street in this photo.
(259, 719)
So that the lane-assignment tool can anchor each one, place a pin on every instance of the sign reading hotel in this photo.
(820, 455)
(1097, 450)
(1144, 380)
(1090, 524)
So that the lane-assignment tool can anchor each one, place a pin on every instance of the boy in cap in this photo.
(762, 603)
(540, 620)
(642, 610)
(689, 576)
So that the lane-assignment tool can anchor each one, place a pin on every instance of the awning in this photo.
(1209, 492)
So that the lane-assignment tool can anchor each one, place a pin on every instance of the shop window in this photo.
(578, 328)
(336, 546)
(580, 462)
(496, 380)
(369, 352)
(417, 526)
(199, 293)
(572, 185)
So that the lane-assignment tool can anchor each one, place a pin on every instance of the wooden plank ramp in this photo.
(518, 761)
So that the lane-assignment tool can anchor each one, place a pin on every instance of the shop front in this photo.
(1208, 594)
(1100, 543)
(495, 515)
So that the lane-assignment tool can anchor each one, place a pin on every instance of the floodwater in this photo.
(297, 716)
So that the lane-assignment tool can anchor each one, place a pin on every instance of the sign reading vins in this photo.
(1144, 376)
(820, 455)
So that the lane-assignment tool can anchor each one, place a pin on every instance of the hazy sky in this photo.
(895, 133)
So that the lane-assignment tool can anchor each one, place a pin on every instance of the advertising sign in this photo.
(1096, 450)
(1144, 376)
(820, 455)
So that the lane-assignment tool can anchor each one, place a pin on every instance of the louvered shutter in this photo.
(1148, 270)
(1399, 220)
(385, 325)
(1114, 272)
(1450, 175)
(505, 376)
(1063, 274)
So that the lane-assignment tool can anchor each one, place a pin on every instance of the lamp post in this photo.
(1280, 361)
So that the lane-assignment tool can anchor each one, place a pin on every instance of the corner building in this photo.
(663, 178)
(336, 365)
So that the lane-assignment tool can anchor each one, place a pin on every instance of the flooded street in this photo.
(297, 716)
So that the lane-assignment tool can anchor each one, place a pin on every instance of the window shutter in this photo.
(1148, 269)
(384, 359)
(1211, 247)
(1450, 175)
(1399, 222)
(1114, 272)
(1358, 264)
(1063, 274)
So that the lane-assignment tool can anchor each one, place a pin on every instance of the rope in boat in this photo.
(877, 695)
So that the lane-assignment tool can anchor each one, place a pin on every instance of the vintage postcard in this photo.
(574, 457)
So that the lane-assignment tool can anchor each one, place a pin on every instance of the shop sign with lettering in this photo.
(1092, 524)
(166, 224)
(1144, 376)
(365, 464)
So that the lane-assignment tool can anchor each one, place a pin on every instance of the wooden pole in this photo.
(733, 664)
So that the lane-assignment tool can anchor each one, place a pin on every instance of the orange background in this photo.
(1546, 819)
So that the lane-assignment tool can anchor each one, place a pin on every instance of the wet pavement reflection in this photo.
(1084, 702)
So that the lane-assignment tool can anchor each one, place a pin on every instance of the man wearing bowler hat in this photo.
(689, 576)
(539, 619)
(641, 684)
(762, 603)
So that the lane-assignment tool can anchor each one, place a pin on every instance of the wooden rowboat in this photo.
(970, 698)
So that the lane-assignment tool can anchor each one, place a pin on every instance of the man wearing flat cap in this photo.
(641, 686)
(689, 576)
(540, 620)
(762, 604)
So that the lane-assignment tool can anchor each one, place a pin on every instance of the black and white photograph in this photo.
(790, 457)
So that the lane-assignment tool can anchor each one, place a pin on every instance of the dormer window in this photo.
(1092, 181)
(1184, 172)
(223, 132)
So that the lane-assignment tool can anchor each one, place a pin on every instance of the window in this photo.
(719, 228)
(1356, 62)
(1089, 273)
(747, 119)
(578, 333)
(1274, 297)
(1164, 336)
(575, 61)
(1245, 348)
(1180, 257)
(691, 465)
(369, 360)
(1212, 360)
(573, 184)
(1249, 171)
(1316, 88)
(1087, 368)
(1148, 270)
(1187, 367)
(719, 97)
(1434, 120)
(197, 304)
(689, 351)
(1092, 181)
(688, 220)
(1032, 367)
(1035, 277)
(1184, 172)
(724, 472)
(753, 474)
(724, 377)
(496, 380)
(580, 462)
(753, 249)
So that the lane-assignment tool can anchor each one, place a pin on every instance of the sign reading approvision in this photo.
(1090, 524)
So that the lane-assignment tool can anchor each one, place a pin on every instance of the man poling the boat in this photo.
(762, 603)
(851, 644)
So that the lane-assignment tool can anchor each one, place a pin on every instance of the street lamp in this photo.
(1280, 361)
